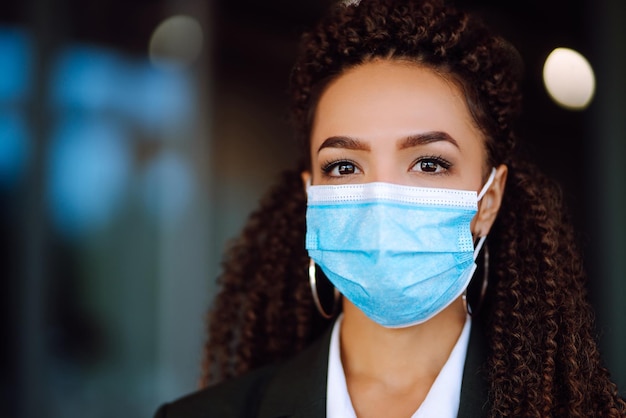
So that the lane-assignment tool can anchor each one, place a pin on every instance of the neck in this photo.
(398, 357)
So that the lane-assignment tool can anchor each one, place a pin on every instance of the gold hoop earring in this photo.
(483, 286)
(316, 299)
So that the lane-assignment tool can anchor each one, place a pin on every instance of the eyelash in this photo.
(438, 159)
(327, 167)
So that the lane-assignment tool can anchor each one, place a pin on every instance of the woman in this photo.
(406, 113)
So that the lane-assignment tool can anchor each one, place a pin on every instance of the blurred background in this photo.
(136, 136)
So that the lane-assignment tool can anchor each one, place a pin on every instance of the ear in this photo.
(490, 204)
(306, 179)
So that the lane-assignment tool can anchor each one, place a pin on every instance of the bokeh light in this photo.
(176, 43)
(96, 80)
(15, 64)
(15, 148)
(90, 169)
(569, 79)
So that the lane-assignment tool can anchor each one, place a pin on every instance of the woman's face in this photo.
(396, 122)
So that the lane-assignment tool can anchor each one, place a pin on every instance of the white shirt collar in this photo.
(442, 400)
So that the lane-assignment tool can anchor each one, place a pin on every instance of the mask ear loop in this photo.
(487, 185)
(479, 246)
(483, 287)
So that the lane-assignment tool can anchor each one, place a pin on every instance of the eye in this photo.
(434, 165)
(340, 168)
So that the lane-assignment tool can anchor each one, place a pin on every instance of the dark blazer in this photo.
(296, 388)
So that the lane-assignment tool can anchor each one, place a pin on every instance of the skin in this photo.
(397, 122)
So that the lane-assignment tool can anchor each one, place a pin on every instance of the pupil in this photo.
(346, 169)
(429, 166)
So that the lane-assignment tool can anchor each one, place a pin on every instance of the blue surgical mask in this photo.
(401, 254)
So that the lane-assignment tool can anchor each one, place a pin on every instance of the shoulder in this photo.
(233, 398)
(296, 386)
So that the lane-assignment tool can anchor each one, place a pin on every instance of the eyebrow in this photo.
(345, 142)
(426, 138)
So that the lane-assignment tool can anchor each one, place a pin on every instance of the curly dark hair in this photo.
(543, 357)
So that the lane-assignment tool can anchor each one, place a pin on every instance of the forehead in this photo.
(387, 97)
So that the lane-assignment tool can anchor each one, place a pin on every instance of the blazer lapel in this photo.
(298, 389)
(474, 390)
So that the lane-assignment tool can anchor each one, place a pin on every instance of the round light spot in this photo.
(176, 43)
(90, 167)
(569, 79)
